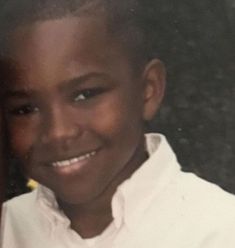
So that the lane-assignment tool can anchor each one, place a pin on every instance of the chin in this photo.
(76, 197)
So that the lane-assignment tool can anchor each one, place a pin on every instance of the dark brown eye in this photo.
(24, 110)
(86, 94)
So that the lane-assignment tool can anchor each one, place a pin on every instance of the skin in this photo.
(75, 92)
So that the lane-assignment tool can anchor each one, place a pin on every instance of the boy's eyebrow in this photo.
(22, 93)
(26, 93)
(83, 78)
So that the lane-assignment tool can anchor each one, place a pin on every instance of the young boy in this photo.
(81, 87)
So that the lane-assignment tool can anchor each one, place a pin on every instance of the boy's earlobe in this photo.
(154, 77)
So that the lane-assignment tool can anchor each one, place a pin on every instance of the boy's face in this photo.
(74, 109)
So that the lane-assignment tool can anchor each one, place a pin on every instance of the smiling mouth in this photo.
(73, 161)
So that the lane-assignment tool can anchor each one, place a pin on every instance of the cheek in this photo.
(118, 117)
(22, 135)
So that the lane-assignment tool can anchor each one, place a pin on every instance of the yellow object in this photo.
(32, 184)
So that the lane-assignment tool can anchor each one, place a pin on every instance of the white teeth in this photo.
(72, 161)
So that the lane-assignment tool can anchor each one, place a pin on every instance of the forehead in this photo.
(66, 45)
(73, 35)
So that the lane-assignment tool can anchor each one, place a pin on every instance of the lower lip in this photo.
(75, 167)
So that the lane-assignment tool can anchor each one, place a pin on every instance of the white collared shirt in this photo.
(158, 207)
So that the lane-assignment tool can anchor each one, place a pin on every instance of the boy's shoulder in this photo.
(23, 207)
(23, 224)
(192, 193)
(197, 203)
(204, 194)
(191, 213)
(22, 201)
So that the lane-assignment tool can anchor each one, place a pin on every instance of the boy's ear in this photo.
(154, 78)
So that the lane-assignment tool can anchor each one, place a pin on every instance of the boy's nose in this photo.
(59, 125)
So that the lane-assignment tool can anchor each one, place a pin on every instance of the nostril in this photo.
(59, 124)
(60, 131)
(60, 134)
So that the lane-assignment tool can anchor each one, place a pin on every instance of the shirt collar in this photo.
(135, 195)
(48, 204)
(128, 205)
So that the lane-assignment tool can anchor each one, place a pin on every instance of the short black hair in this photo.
(135, 22)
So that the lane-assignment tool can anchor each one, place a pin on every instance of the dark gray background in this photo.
(198, 115)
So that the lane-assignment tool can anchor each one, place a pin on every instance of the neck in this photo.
(91, 219)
